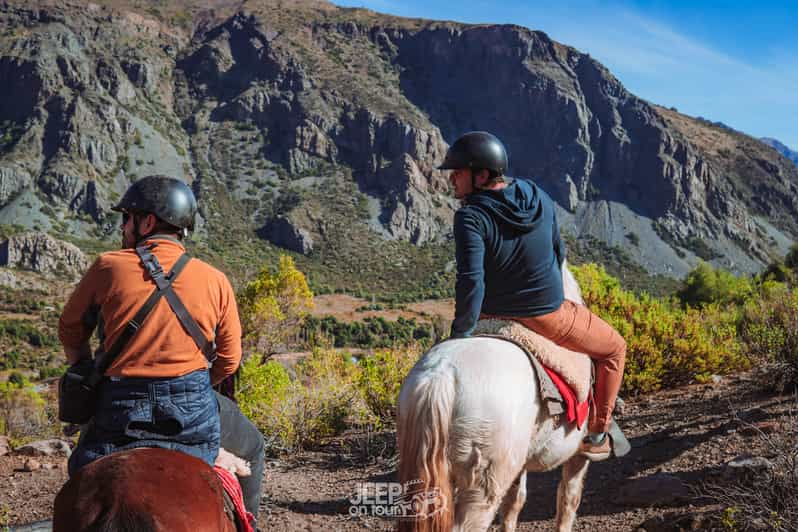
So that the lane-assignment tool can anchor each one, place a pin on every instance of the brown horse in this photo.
(143, 490)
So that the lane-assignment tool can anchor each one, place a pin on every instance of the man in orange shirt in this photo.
(157, 391)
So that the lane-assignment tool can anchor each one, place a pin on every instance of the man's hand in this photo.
(74, 355)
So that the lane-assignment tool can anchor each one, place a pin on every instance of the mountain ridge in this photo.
(781, 148)
(320, 128)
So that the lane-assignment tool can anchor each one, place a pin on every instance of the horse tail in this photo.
(425, 411)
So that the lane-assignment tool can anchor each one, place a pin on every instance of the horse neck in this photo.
(570, 286)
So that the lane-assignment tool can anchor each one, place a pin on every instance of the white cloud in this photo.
(666, 66)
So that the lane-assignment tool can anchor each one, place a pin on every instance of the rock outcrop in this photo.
(42, 253)
(285, 234)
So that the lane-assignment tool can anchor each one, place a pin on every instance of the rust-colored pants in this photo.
(573, 326)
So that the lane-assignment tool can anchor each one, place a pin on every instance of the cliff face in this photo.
(264, 105)
(42, 253)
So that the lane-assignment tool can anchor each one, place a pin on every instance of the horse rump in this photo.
(124, 519)
(142, 490)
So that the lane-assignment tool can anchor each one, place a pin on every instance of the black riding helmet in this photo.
(168, 198)
(477, 150)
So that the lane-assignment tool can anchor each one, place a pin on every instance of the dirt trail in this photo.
(682, 436)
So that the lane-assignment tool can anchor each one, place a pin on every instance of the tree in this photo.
(273, 306)
(705, 284)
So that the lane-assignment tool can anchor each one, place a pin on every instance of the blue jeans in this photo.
(178, 413)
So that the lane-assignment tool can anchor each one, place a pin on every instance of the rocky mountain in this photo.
(781, 148)
(318, 128)
(42, 253)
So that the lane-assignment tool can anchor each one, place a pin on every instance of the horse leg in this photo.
(487, 484)
(569, 493)
(513, 502)
(475, 511)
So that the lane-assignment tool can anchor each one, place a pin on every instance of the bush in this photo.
(706, 284)
(791, 259)
(381, 376)
(769, 329)
(22, 410)
(10, 360)
(666, 344)
(273, 306)
(50, 372)
(262, 396)
(320, 401)
(371, 332)
(25, 331)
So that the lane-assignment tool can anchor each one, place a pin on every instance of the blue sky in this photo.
(735, 62)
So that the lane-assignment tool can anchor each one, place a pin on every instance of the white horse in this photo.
(471, 424)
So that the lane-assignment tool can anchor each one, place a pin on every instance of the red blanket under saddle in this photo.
(574, 412)
(233, 489)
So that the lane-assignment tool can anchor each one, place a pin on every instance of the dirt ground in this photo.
(345, 308)
(684, 436)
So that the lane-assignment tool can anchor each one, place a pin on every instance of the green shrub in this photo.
(22, 410)
(24, 330)
(791, 259)
(263, 396)
(330, 398)
(10, 360)
(49, 372)
(778, 272)
(666, 344)
(769, 329)
(380, 378)
(320, 401)
(374, 331)
(705, 284)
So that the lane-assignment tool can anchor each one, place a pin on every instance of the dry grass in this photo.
(765, 498)
(707, 137)
(346, 308)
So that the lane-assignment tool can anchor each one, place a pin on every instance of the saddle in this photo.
(560, 371)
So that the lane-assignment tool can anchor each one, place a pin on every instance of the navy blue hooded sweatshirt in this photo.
(509, 255)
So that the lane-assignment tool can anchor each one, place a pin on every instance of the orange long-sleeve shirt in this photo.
(116, 286)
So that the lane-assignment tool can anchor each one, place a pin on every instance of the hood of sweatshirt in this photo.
(518, 204)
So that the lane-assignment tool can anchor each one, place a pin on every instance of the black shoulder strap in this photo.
(104, 360)
(153, 267)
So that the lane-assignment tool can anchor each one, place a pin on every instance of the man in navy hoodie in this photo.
(509, 265)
